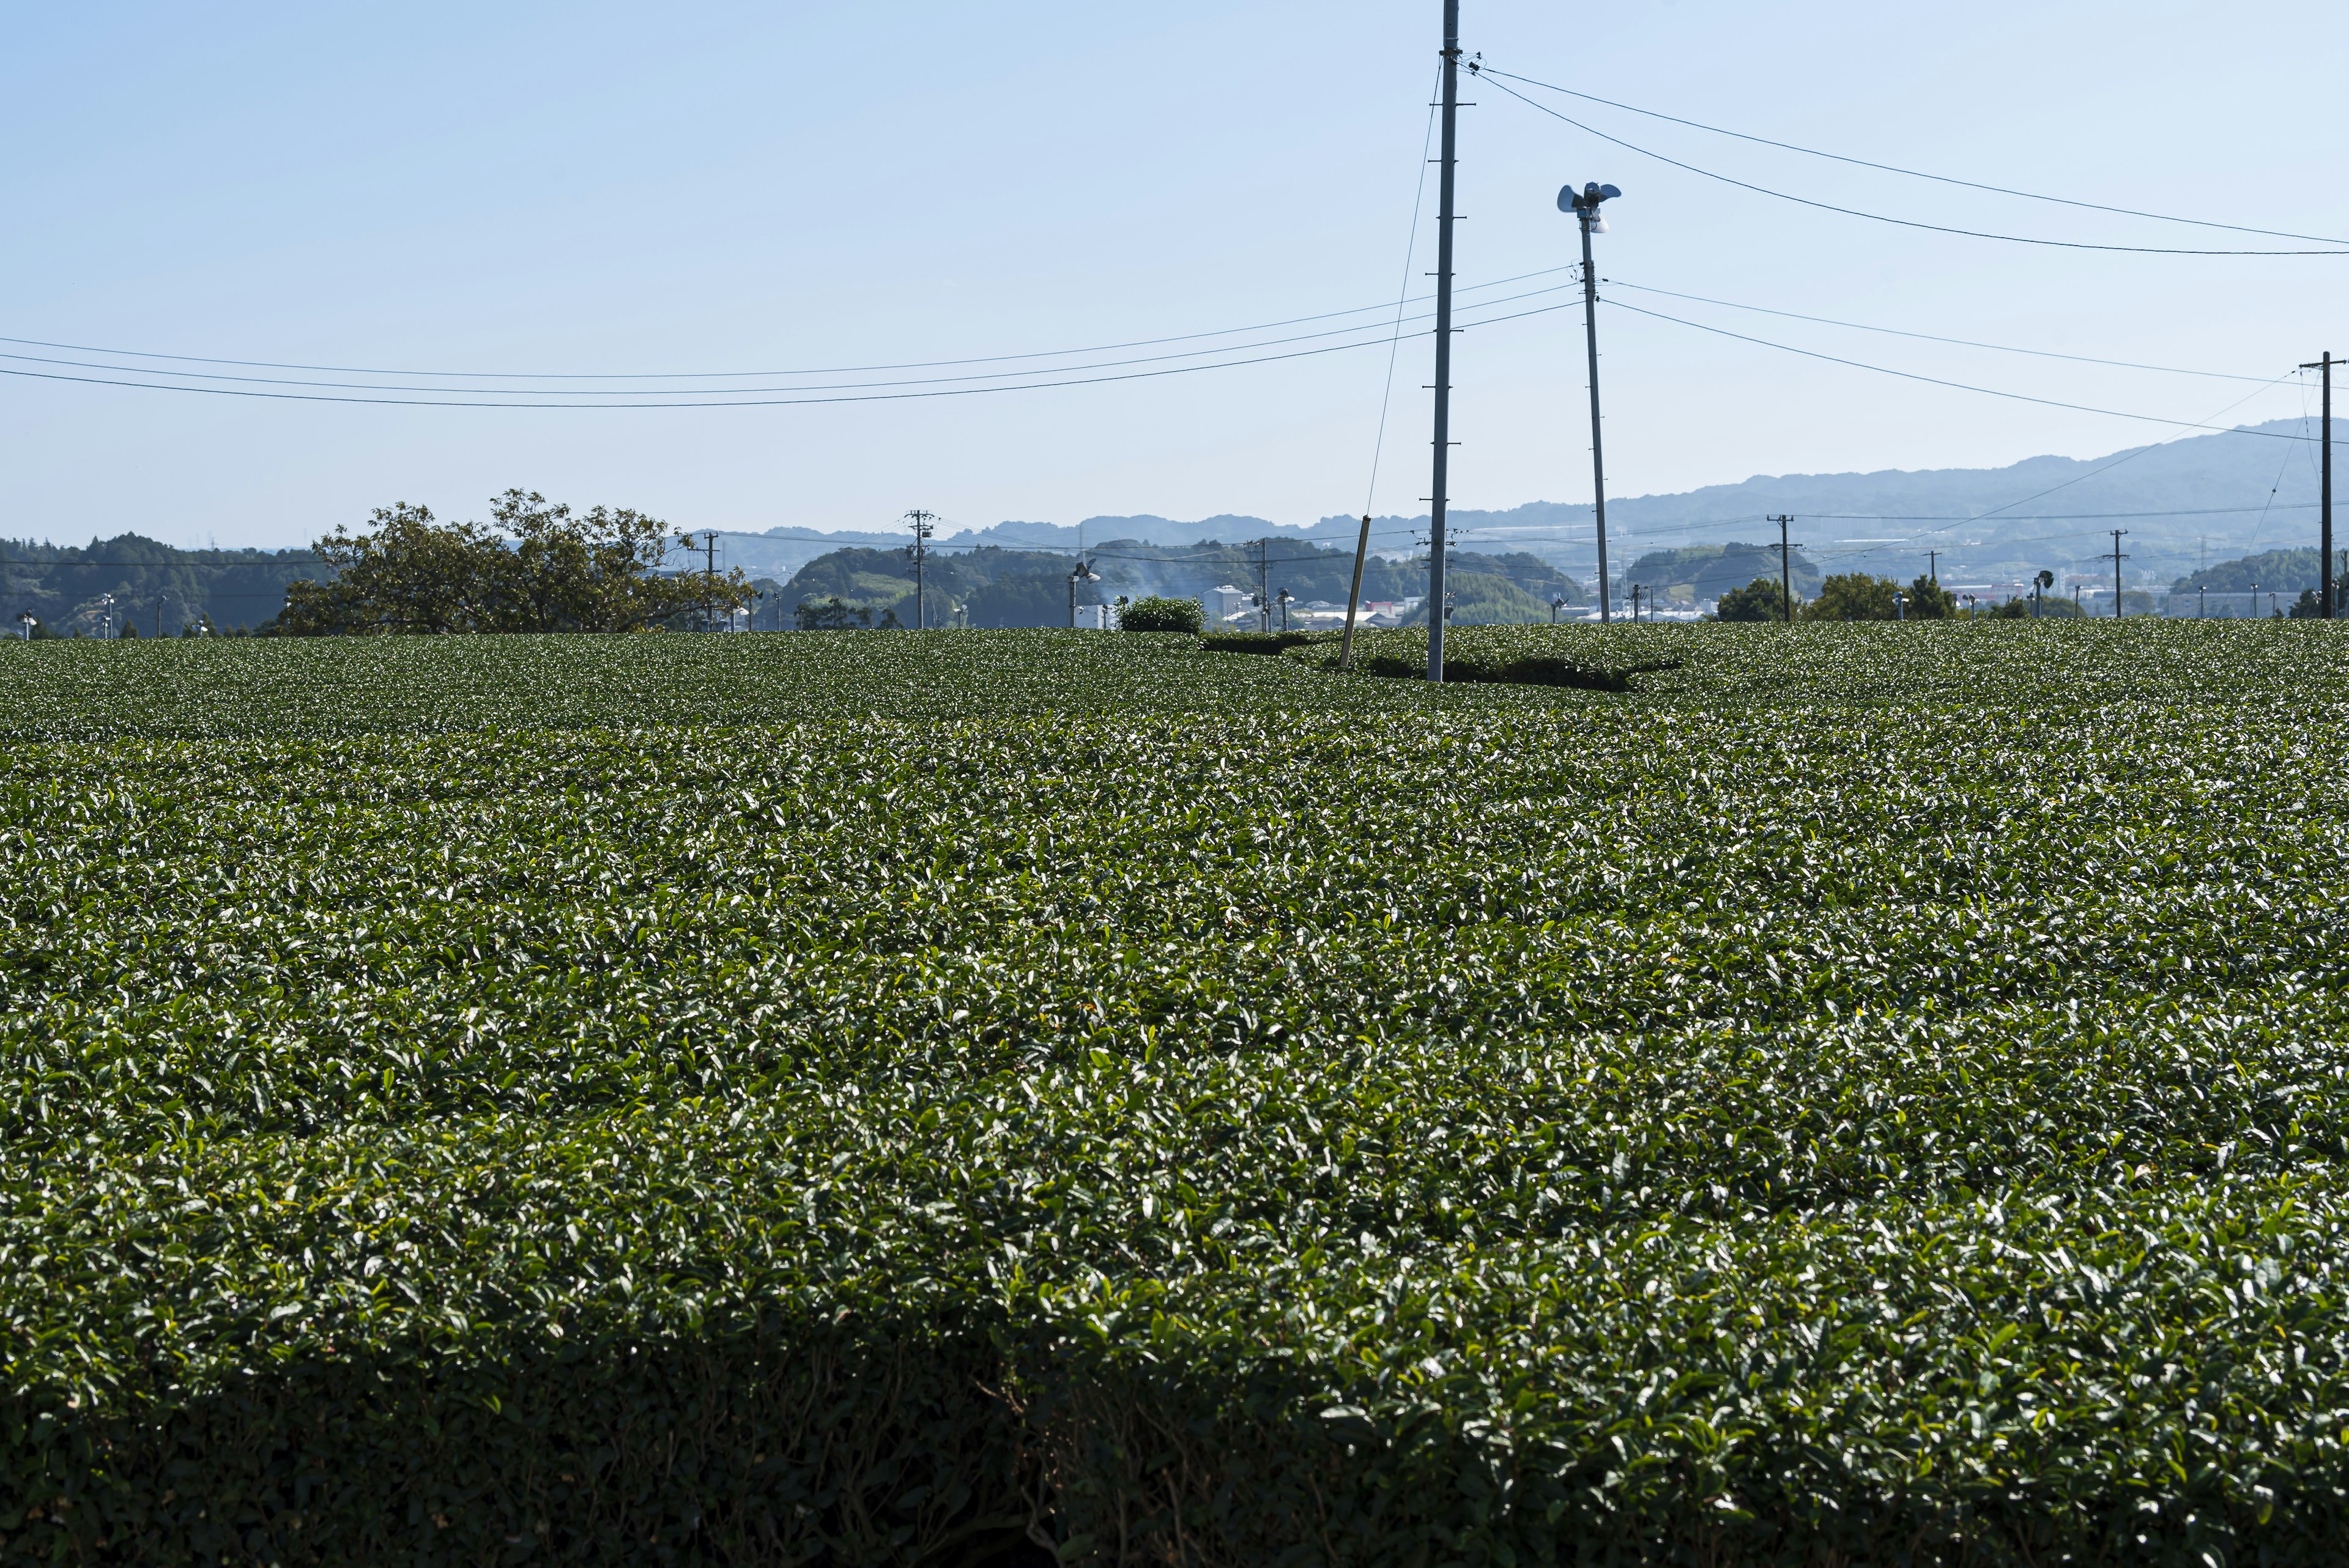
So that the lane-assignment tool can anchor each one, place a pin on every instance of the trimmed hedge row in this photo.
(1519, 1128)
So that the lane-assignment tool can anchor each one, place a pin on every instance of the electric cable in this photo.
(1394, 351)
(1935, 337)
(1916, 173)
(705, 392)
(741, 402)
(1939, 381)
(743, 375)
(1879, 217)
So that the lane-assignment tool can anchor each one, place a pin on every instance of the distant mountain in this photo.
(2183, 503)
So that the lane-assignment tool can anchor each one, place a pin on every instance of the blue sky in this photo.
(591, 188)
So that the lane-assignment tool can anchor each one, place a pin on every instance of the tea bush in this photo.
(1862, 1094)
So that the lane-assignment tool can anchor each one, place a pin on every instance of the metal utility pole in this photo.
(1786, 567)
(1584, 204)
(923, 524)
(1444, 219)
(2118, 559)
(2324, 515)
(1354, 597)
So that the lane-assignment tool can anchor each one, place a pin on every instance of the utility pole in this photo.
(1263, 586)
(709, 576)
(1444, 219)
(2118, 559)
(1785, 568)
(2324, 524)
(1354, 598)
(1584, 205)
(923, 524)
(1933, 566)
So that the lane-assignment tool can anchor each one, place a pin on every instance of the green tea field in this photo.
(1861, 1095)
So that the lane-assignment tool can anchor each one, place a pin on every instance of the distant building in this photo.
(1227, 601)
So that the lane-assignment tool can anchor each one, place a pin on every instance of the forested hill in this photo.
(2278, 571)
(1008, 588)
(63, 585)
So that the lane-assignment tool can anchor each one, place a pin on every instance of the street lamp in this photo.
(105, 615)
(1557, 603)
(25, 618)
(1899, 604)
(1283, 599)
(1080, 573)
(1585, 205)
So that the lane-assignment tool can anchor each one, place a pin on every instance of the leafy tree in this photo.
(1852, 596)
(541, 568)
(129, 626)
(2308, 607)
(599, 571)
(1156, 613)
(1928, 600)
(1762, 599)
(833, 615)
(889, 621)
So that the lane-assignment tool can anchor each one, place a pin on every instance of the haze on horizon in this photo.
(580, 189)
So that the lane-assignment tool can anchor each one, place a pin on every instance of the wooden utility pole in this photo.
(2118, 559)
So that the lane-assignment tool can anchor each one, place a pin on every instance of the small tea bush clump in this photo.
(1858, 1093)
(1155, 613)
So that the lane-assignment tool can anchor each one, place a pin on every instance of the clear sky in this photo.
(595, 187)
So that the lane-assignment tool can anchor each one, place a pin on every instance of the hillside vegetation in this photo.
(1858, 1093)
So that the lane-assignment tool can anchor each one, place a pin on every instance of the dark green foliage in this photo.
(535, 568)
(832, 615)
(62, 583)
(1154, 613)
(1028, 599)
(1764, 599)
(2278, 571)
(1927, 600)
(1865, 1093)
(1852, 596)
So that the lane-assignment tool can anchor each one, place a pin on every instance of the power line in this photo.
(703, 393)
(1410, 251)
(745, 375)
(1938, 382)
(751, 402)
(1939, 179)
(1879, 217)
(1933, 338)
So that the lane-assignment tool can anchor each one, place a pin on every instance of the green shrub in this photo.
(1155, 613)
